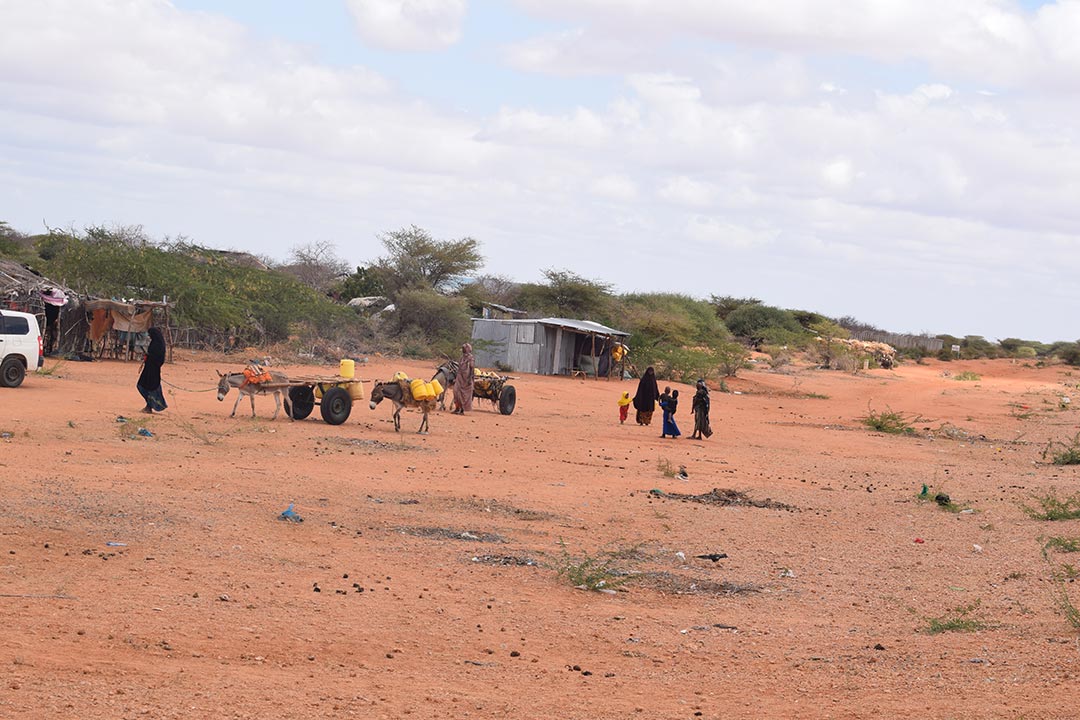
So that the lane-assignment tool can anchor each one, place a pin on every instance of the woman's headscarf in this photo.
(156, 350)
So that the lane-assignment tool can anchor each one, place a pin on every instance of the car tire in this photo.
(12, 372)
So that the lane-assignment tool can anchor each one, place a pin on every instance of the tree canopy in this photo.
(416, 260)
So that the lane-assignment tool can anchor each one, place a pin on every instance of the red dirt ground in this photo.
(209, 607)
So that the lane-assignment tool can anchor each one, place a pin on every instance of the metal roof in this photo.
(585, 326)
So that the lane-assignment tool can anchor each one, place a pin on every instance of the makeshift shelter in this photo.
(118, 329)
(547, 346)
(57, 307)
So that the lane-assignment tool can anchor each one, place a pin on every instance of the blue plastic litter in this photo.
(290, 515)
(145, 433)
(116, 544)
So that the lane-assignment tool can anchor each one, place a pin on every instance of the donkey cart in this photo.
(333, 394)
(486, 386)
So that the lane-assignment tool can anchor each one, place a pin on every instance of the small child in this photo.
(624, 407)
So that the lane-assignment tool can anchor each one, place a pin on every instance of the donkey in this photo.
(401, 397)
(239, 381)
(445, 374)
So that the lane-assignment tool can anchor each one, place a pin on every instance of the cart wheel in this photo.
(303, 401)
(336, 405)
(507, 400)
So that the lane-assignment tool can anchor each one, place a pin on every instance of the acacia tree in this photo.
(416, 260)
(569, 295)
(316, 265)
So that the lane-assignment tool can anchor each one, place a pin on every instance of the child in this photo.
(624, 407)
(670, 406)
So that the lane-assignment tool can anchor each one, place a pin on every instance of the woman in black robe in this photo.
(647, 395)
(149, 384)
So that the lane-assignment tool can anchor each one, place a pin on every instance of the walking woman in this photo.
(700, 407)
(149, 384)
(463, 383)
(646, 397)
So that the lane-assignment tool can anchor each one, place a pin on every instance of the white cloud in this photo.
(615, 187)
(990, 40)
(682, 190)
(416, 25)
(716, 234)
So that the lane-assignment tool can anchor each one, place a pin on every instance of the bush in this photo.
(657, 319)
(1052, 508)
(750, 321)
(778, 356)
(1063, 452)
(732, 356)
(844, 360)
(427, 318)
(890, 422)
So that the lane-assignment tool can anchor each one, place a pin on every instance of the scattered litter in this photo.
(290, 515)
(879, 646)
(512, 560)
(115, 544)
(977, 548)
(969, 511)
(7, 435)
(942, 499)
(682, 474)
(121, 419)
(787, 573)
(681, 555)
(712, 556)
(145, 433)
(920, 541)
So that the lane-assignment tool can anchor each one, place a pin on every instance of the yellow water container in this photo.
(436, 387)
(419, 392)
(318, 392)
(348, 368)
(356, 390)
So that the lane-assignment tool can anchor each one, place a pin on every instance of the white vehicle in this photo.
(20, 347)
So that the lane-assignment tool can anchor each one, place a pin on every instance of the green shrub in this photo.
(439, 322)
(967, 376)
(598, 573)
(956, 620)
(1063, 452)
(1052, 508)
(887, 421)
(1062, 544)
(750, 321)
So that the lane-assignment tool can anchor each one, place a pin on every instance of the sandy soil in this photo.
(211, 606)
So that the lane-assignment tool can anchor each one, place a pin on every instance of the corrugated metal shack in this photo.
(547, 346)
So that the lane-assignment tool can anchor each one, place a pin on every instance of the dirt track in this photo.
(210, 608)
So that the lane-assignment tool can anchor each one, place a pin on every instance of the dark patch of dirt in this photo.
(686, 585)
(374, 445)
(722, 496)
(451, 534)
(506, 560)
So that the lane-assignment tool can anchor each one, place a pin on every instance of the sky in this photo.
(912, 163)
